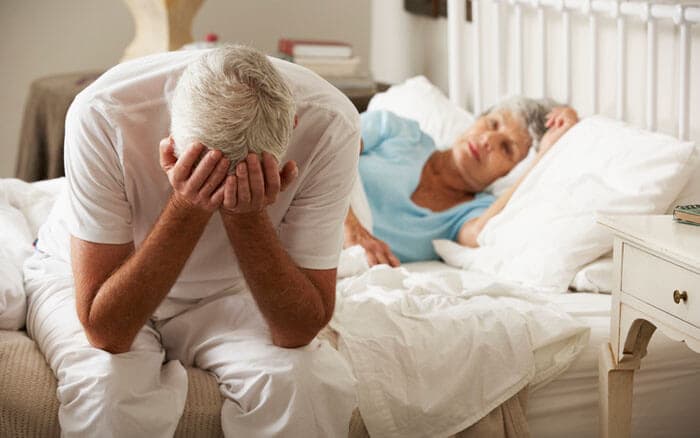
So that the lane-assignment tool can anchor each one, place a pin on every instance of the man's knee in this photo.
(315, 373)
(293, 392)
(128, 394)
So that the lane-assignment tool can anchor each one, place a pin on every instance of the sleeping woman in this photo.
(417, 193)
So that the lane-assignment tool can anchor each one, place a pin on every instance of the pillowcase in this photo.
(418, 99)
(548, 230)
(596, 277)
(691, 192)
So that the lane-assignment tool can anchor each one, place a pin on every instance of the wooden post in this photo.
(161, 25)
(615, 387)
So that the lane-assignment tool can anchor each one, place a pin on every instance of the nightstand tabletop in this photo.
(659, 233)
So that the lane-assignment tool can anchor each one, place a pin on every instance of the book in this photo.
(314, 48)
(330, 66)
(687, 214)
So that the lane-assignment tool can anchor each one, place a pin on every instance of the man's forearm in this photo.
(291, 303)
(132, 293)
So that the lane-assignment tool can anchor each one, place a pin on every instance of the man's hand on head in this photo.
(256, 184)
(197, 186)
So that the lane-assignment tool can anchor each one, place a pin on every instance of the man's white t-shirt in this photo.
(116, 188)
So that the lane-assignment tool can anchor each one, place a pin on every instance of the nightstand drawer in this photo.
(654, 281)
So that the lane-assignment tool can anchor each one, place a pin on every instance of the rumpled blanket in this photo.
(23, 207)
(435, 351)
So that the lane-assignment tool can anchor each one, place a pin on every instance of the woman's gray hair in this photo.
(532, 112)
(232, 99)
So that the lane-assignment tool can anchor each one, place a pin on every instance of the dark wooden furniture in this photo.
(41, 138)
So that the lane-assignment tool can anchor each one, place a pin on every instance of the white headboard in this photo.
(487, 14)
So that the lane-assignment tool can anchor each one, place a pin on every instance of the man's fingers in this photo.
(272, 177)
(183, 167)
(215, 178)
(256, 180)
(167, 154)
(230, 195)
(243, 189)
(218, 197)
(203, 170)
(288, 175)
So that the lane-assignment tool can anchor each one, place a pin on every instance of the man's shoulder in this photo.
(138, 81)
(316, 94)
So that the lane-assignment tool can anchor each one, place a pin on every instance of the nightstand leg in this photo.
(615, 387)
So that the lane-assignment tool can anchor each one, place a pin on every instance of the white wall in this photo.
(404, 45)
(46, 37)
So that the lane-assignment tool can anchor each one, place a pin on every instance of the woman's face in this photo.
(490, 148)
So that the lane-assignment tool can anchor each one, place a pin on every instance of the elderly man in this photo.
(201, 252)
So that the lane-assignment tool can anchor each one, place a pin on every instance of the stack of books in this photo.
(333, 60)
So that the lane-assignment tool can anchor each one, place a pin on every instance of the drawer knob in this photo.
(680, 296)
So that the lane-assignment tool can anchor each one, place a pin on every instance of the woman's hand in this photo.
(256, 184)
(377, 251)
(559, 120)
(195, 186)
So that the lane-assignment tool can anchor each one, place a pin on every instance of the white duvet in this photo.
(23, 208)
(433, 351)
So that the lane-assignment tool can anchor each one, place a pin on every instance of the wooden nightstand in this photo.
(656, 285)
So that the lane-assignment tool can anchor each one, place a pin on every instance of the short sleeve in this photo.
(378, 126)
(474, 208)
(99, 210)
(312, 228)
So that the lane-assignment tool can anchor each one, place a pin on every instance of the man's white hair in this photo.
(232, 99)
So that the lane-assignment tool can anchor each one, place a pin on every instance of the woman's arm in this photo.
(378, 252)
(559, 120)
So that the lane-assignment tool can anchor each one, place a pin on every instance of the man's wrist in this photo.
(244, 220)
(187, 209)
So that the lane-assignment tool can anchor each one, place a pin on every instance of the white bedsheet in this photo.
(666, 388)
(435, 351)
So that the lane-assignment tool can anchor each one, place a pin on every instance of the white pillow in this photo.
(596, 277)
(418, 99)
(691, 192)
(548, 230)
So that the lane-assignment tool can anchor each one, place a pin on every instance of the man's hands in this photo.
(205, 186)
(256, 184)
(559, 120)
(198, 187)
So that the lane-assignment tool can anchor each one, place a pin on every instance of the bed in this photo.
(563, 402)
